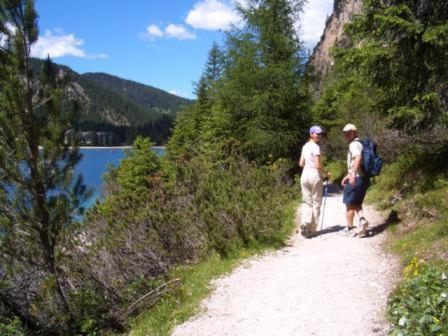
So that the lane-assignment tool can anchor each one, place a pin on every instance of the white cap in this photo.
(349, 127)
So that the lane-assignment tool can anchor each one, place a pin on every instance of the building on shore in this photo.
(90, 138)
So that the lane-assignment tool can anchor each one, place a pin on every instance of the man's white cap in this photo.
(349, 127)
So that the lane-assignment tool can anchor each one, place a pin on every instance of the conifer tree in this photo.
(401, 47)
(40, 196)
(263, 100)
(189, 130)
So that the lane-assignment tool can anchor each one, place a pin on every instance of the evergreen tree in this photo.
(190, 124)
(40, 196)
(401, 47)
(215, 65)
(263, 102)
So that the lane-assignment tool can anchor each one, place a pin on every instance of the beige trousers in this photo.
(311, 200)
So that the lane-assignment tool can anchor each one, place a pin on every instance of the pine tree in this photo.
(190, 131)
(401, 47)
(263, 102)
(40, 196)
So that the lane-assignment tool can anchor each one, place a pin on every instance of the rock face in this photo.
(321, 59)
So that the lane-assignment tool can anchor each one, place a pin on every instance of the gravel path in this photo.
(325, 286)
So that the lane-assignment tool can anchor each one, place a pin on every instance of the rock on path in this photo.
(331, 285)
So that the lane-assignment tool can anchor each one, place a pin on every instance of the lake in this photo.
(94, 164)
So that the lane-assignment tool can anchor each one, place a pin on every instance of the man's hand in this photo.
(351, 180)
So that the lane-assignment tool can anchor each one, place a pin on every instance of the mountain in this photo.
(123, 107)
(321, 58)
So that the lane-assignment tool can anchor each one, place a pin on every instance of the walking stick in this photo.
(325, 202)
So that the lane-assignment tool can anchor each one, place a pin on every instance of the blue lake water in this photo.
(94, 164)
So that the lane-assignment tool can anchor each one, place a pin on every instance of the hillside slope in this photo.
(142, 95)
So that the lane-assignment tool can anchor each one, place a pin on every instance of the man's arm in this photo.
(351, 175)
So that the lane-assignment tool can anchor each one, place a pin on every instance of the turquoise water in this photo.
(94, 164)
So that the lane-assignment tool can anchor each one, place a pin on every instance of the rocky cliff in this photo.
(321, 59)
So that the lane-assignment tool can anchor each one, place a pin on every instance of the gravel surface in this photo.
(325, 286)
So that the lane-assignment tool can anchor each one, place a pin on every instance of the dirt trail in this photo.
(331, 285)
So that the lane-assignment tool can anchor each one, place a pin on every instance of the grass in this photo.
(182, 303)
(419, 201)
(421, 228)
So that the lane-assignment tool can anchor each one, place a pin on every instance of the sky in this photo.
(162, 43)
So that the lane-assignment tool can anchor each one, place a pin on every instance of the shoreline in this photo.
(110, 147)
(104, 147)
(114, 147)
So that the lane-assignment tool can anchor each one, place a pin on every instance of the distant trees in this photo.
(40, 197)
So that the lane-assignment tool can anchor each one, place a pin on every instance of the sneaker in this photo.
(303, 231)
(363, 225)
(348, 231)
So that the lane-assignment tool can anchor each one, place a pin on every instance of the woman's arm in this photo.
(319, 164)
(302, 161)
(320, 167)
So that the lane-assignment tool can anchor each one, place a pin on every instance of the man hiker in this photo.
(355, 183)
(311, 182)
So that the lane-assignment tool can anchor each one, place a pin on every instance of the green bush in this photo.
(11, 327)
(338, 170)
(161, 214)
(420, 305)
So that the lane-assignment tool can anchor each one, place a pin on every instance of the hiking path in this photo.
(330, 285)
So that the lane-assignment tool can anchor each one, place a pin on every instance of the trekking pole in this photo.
(325, 202)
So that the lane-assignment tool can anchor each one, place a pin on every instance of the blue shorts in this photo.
(354, 195)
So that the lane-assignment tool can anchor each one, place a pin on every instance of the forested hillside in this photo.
(126, 108)
(142, 95)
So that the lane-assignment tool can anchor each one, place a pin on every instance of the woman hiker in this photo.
(311, 182)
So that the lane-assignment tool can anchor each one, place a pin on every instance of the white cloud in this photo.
(180, 93)
(313, 21)
(179, 32)
(97, 56)
(58, 45)
(242, 3)
(153, 31)
(222, 14)
(213, 15)
(171, 31)
(4, 37)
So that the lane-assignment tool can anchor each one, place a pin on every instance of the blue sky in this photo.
(163, 43)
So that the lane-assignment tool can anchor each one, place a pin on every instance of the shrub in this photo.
(420, 305)
(11, 327)
(338, 170)
(159, 215)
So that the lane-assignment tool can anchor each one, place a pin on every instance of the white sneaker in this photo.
(351, 232)
(363, 225)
